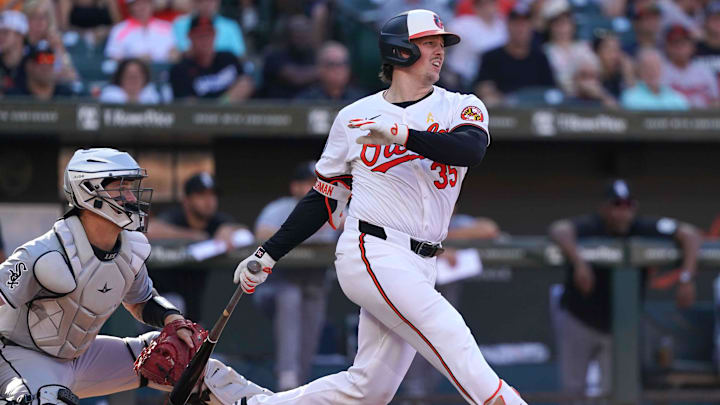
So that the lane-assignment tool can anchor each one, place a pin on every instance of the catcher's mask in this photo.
(109, 183)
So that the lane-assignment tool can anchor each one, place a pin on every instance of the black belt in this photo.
(424, 249)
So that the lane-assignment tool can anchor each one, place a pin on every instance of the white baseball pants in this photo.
(401, 313)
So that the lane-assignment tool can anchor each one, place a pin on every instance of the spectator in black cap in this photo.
(39, 82)
(708, 50)
(205, 73)
(647, 27)
(583, 320)
(196, 219)
(291, 67)
(298, 296)
(516, 65)
(333, 84)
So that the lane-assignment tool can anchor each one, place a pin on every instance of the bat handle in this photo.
(254, 266)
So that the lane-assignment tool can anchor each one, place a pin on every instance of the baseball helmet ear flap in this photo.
(394, 38)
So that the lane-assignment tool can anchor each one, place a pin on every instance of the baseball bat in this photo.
(192, 373)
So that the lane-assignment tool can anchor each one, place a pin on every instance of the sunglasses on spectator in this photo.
(334, 63)
(623, 203)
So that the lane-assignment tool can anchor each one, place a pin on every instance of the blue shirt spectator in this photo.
(640, 97)
(228, 36)
(649, 93)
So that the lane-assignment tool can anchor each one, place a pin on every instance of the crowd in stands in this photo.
(633, 54)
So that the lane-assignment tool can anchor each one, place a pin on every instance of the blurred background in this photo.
(227, 103)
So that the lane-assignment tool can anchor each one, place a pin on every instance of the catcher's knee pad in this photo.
(224, 386)
(17, 392)
(56, 395)
(505, 395)
(25, 399)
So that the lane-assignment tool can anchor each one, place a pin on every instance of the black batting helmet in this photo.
(396, 33)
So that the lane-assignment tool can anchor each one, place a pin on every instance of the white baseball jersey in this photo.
(393, 186)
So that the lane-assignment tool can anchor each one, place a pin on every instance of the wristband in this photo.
(156, 309)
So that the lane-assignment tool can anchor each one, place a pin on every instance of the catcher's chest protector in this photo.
(64, 327)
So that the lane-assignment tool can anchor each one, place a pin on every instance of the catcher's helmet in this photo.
(87, 185)
(397, 32)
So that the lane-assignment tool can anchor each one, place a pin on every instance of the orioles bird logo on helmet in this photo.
(438, 22)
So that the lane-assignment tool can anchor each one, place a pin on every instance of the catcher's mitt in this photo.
(165, 359)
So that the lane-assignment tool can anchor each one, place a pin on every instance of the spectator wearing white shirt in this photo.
(142, 36)
(131, 84)
(690, 78)
(487, 29)
(562, 50)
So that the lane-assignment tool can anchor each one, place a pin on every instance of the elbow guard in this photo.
(156, 309)
(335, 189)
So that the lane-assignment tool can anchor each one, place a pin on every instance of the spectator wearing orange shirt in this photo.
(142, 36)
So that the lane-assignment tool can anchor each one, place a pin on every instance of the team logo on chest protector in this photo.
(15, 274)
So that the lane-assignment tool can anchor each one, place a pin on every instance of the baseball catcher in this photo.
(59, 289)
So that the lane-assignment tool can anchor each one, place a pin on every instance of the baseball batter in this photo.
(404, 153)
(58, 290)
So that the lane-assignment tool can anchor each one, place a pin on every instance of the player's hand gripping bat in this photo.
(194, 371)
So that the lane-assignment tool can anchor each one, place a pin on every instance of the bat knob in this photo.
(254, 266)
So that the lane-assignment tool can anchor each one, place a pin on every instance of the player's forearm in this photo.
(689, 239)
(157, 311)
(563, 234)
(308, 216)
(465, 146)
(135, 310)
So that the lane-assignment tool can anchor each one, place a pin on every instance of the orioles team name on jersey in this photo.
(370, 155)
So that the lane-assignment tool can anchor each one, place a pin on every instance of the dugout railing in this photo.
(624, 256)
(84, 121)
